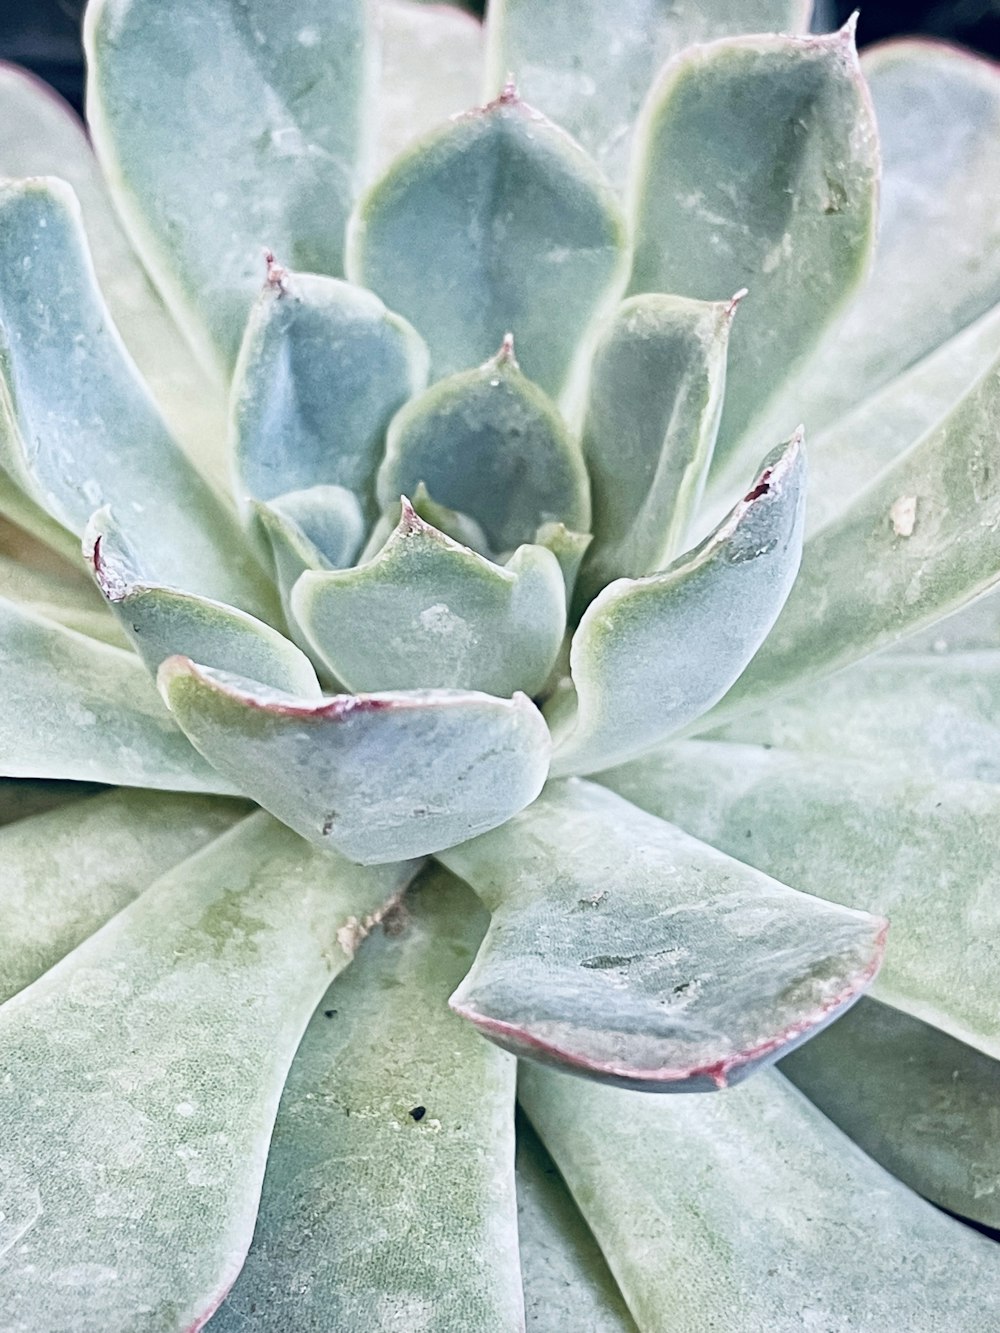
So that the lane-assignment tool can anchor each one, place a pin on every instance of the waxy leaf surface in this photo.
(492, 224)
(390, 1178)
(377, 777)
(142, 1077)
(624, 949)
(224, 129)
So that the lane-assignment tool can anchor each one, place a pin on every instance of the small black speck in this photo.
(329, 1013)
(749, 833)
(418, 1112)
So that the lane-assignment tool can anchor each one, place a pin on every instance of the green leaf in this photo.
(495, 221)
(223, 129)
(921, 541)
(431, 68)
(142, 1077)
(757, 166)
(567, 1284)
(19, 800)
(651, 655)
(653, 408)
(437, 615)
(920, 851)
(78, 429)
(322, 368)
(67, 600)
(68, 871)
(938, 112)
(377, 777)
(753, 1211)
(626, 950)
(161, 622)
(75, 708)
(490, 444)
(588, 65)
(390, 1180)
(40, 135)
(925, 1106)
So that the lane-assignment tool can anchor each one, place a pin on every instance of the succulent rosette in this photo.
(409, 559)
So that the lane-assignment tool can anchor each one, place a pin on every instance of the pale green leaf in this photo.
(568, 547)
(923, 1105)
(142, 1077)
(78, 428)
(40, 135)
(431, 68)
(921, 541)
(752, 1212)
(376, 776)
(757, 166)
(651, 655)
(653, 408)
(322, 368)
(436, 615)
(36, 796)
(567, 1285)
(65, 599)
(497, 221)
(920, 851)
(68, 871)
(390, 1180)
(625, 950)
(490, 444)
(161, 621)
(75, 708)
(588, 64)
(224, 129)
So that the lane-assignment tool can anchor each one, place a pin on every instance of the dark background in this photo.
(44, 35)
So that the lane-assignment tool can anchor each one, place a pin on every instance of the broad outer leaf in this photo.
(623, 949)
(75, 708)
(752, 1211)
(68, 871)
(496, 221)
(757, 165)
(40, 135)
(377, 776)
(437, 615)
(78, 428)
(390, 1178)
(651, 655)
(141, 1079)
(491, 445)
(653, 407)
(322, 368)
(162, 622)
(567, 1285)
(60, 596)
(223, 129)
(588, 64)
(923, 1105)
(921, 541)
(431, 68)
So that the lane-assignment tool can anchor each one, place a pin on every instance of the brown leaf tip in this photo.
(276, 276)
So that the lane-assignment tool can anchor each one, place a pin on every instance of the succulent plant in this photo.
(443, 468)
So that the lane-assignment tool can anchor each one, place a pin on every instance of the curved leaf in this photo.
(68, 871)
(753, 1211)
(65, 599)
(623, 949)
(318, 528)
(493, 222)
(75, 708)
(377, 776)
(925, 1106)
(490, 444)
(390, 1179)
(587, 65)
(757, 165)
(223, 129)
(437, 615)
(161, 622)
(651, 655)
(69, 391)
(322, 368)
(142, 1077)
